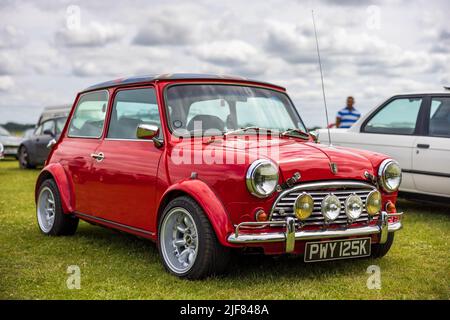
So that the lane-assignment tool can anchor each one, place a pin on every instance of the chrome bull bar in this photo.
(383, 228)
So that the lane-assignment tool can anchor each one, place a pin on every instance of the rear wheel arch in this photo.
(56, 173)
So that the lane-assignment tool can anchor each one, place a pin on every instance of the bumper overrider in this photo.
(382, 228)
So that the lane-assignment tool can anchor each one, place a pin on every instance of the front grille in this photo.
(284, 206)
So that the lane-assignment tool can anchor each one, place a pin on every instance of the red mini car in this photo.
(205, 165)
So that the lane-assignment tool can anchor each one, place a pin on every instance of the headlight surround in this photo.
(390, 175)
(373, 203)
(353, 206)
(303, 206)
(262, 178)
(331, 207)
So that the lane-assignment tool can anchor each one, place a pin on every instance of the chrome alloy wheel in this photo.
(179, 240)
(46, 209)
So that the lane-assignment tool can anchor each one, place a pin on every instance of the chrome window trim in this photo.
(321, 185)
(133, 140)
(104, 121)
(112, 106)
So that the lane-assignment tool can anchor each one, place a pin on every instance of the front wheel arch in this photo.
(194, 237)
(207, 200)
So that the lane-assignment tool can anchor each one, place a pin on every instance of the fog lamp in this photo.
(353, 206)
(331, 207)
(303, 206)
(373, 203)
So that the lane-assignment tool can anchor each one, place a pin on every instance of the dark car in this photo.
(34, 150)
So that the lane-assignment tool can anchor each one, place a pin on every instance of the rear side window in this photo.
(439, 125)
(132, 108)
(89, 116)
(397, 117)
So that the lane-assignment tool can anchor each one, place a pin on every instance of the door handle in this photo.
(98, 156)
(51, 143)
(423, 146)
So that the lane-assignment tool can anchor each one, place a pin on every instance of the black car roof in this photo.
(172, 76)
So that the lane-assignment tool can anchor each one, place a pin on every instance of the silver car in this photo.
(10, 143)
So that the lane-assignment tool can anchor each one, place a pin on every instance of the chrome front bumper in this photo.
(383, 227)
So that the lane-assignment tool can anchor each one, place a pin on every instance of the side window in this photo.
(48, 125)
(38, 130)
(89, 116)
(439, 125)
(397, 117)
(132, 108)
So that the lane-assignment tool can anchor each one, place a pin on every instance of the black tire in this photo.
(212, 258)
(380, 250)
(64, 224)
(24, 158)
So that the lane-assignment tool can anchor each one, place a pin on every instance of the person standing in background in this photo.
(347, 116)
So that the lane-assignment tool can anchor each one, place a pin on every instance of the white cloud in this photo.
(11, 37)
(229, 53)
(6, 83)
(95, 34)
(165, 29)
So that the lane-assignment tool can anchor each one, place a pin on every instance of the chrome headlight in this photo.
(373, 202)
(331, 207)
(353, 206)
(262, 178)
(390, 175)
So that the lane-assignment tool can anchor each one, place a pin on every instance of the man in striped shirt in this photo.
(347, 116)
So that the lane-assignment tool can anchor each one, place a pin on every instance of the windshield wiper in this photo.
(240, 130)
(295, 133)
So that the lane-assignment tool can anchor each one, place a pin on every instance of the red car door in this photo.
(76, 153)
(127, 174)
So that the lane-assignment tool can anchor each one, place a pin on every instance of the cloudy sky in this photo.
(371, 49)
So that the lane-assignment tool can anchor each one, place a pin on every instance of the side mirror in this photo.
(148, 132)
(315, 135)
(49, 132)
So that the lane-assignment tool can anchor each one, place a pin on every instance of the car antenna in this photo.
(321, 77)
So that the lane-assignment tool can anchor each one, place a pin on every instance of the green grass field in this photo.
(118, 266)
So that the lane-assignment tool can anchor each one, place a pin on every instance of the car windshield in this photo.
(4, 132)
(211, 109)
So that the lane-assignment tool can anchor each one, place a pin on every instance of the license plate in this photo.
(337, 249)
